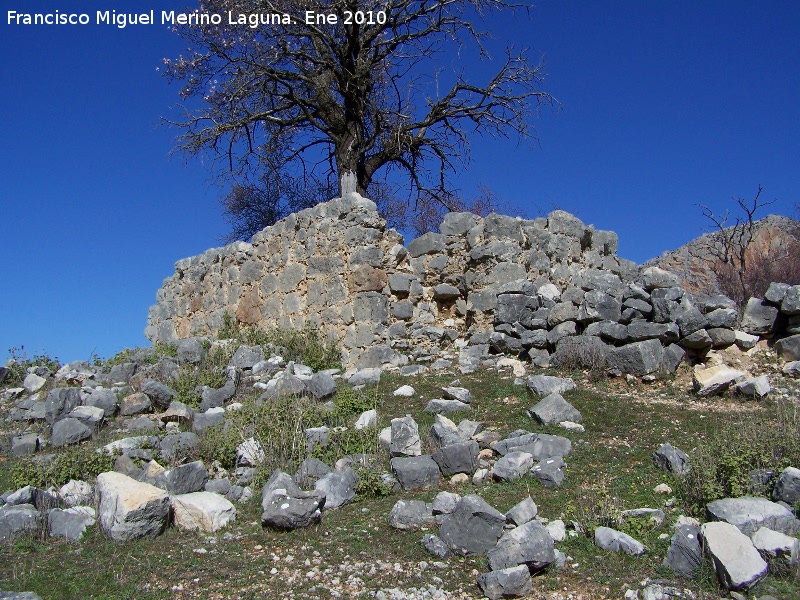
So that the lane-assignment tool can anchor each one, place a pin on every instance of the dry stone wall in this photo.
(338, 267)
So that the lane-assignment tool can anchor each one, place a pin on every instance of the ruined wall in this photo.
(338, 267)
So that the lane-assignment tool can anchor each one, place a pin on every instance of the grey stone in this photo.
(159, 394)
(638, 358)
(105, 399)
(445, 407)
(60, 402)
(183, 479)
(787, 488)
(513, 466)
(750, 513)
(457, 393)
(338, 487)
(792, 368)
(69, 431)
(723, 317)
(378, 356)
(282, 386)
(176, 446)
(513, 308)
(582, 350)
(310, 471)
(444, 292)
(178, 412)
(522, 512)
(250, 453)
(473, 528)
(458, 223)
(738, 564)
(506, 583)
(461, 457)
(790, 305)
(645, 330)
(122, 373)
(755, 387)
(218, 486)
(599, 306)
(545, 446)
(33, 383)
(776, 547)
(616, 541)
(544, 385)
(685, 554)
(17, 520)
(202, 511)
(366, 376)
(758, 317)
(434, 545)
(191, 351)
(654, 278)
(553, 409)
(721, 337)
(19, 596)
(203, 421)
(246, 357)
(549, 472)
(444, 432)
(288, 512)
(671, 358)
(402, 310)
(776, 292)
(428, 243)
(322, 385)
(23, 445)
(445, 503)
(672, 460)
(91, 416)
(410, 515)
(399, 283)
(529, 544)
(788, 348)
(416, 472)
(134, 404)
(217, 397)
(405, 440)
(715, 379)
(70, 523)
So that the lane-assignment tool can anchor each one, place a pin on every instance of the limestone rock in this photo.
(750, 513)
(411, 514)
(202, 511)
(473, 528)
(506, 583)
(714, 379)
(529, 544)
(670, 459)
(616, 541)
(737, 562)
(554, 409)
(129, 509)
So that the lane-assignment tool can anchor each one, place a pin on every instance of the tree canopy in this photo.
(323, 99)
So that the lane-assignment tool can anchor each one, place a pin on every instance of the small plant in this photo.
(351, 402)
(76, 462)
(347, 442)
(20, 363)
(371, 485)
(170, 350)
(230, 328)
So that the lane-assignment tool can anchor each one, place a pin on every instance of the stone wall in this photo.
(339, 268)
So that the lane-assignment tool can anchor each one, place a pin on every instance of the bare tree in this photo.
(745, 269)
(317, 97)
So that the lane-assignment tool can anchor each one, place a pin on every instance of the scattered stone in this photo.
(445, 503)
(460, 457)
(134, 404)
(322, 385)
(71, 523)
(685, 553)
(787, 488)
(23, 445)
(69, 431)
(554, 409)
(445, 407)
(411, 514)
(792, 369)
(506, 583)
(738, 564)
(750, 513)
(714, 379)
(755, 387)
(544, 385)
(368, 418)
(638, 358)
(616, 541)
(672, 460)
(529, 544)
(405, 437)
(788, 348)
(338, 487)
(473, 528)
(662, 488)
(416, 472)
(745, 341)
(310, 471)
(557, 530)
(159, 394)
(17, 520)
(776, 547)
(758, 317)
(435, 546)
(512, 466)
(368, 376)
(405, 391)
(76, 493)
(522, 512)
(549, 472)
(177, 446)
(250, 453)
(655, 515)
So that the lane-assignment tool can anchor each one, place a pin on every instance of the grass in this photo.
(353, 551)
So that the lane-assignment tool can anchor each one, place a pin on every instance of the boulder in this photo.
(685, 553)
(191, 351)
(338, 487)
(183, 479)
(23, 445)
(70, 523)
(134, 404)
(529, 544)
(750, 513)
(411, 514)
(246, 357)
(670, 459)
(17, 520)
(506, 583)
(129, 509)
(217, 397)
(776, 292)
(787, 488)
(473, 528)
(69, 431)
(738, 564)
(416, 472)
(758, 317)
(522, 512)
(76, 493)
(754, 387)
(322, 385)
(310, 471)
(368, 376)
(638, 358)
(202, 511)
(445, 407)
(513, 466)
(790, 304)
(405, 437)
(776, 548)
(250, 453)
(105, 399)
(434, 545)
(714, 379)
(549, 472)
(545, 385)
(616, 541)
(460, 457)
(788, 348)
(177, 446)
(159, 394)
(554, 409)
(457, 393)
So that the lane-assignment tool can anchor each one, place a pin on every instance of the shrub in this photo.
(20, 362)
(722, 462)
(351, 402)
(76, 462)
(346, 441)
(305, 346)
(210, 372)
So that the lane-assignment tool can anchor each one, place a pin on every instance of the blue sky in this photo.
(664, 105)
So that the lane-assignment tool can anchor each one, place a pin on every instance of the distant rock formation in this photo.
(697, 268)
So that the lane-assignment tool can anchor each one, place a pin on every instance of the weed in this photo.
(20, 363)
(76, 462)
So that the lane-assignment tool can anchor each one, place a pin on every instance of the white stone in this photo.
(714, 379)
(369, 418)
(33, 383)
(202, 511)
(557, 530)
(570, 426)
(745, 341)
(405, 390)
(250, 453)
(773, 544)
(516, 365)
(76, 493)
(738, 564)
